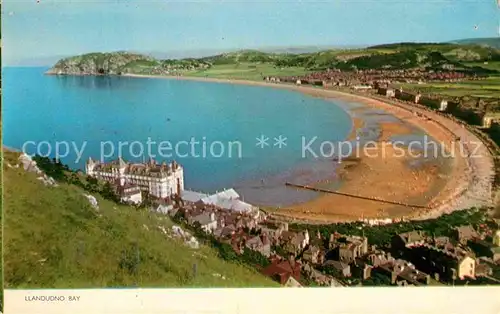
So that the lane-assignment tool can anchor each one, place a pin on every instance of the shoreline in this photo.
(452, 196)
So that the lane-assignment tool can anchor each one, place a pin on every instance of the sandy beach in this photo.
(460, 182)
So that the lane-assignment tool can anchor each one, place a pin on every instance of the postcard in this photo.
(201, 156)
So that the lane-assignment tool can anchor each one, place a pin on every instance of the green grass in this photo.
(247, 71)
(54, 239)
(490, 65)
(489, 87)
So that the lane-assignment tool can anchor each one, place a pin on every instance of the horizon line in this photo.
(185, 53)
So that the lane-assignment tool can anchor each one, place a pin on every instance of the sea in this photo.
(250, 138)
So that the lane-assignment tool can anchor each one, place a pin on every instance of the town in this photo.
(481, 111)
(307, 257)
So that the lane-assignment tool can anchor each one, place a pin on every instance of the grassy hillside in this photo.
(249, 63)
(488, 88)
(466, 51)
(55, 239)
(254, 65)
(493, 42)
(247, 71)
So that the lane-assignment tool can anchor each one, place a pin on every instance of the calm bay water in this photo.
(118, 109)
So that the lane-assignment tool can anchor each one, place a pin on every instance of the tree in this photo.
(109, 193)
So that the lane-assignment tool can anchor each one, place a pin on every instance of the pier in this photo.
(376, 199)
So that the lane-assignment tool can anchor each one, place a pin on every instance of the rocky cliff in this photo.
(115, 63)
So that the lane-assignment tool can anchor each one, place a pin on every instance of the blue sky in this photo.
(53, 28)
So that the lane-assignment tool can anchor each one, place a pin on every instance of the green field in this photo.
(55, 239)
(489, 87)
(247, 71)
(490, 65)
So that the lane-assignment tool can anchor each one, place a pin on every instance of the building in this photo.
(434, 103)
(348, 248)
(282, 270)
(361, 87)
(228, 199)
(388, 92)
(496, 238)
(292, 282)
(158, 180)
(313, 255)
(464, 233)
(482, 248)
(403, 273)
(207, 221)
(405, 96)
(260, 244)
(404, 240)
(130, 193)
(192, 196)
(443, 105)
(293, 242)
(490, 118)
(445, 264)
(342, 268)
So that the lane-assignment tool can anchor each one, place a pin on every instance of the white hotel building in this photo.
(159, 180)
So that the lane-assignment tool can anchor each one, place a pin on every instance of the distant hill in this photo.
(493, 42)
(55, 239)
(435, 56)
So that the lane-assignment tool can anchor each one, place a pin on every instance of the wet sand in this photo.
(388, 175)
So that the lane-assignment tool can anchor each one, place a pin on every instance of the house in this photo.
(403, 272)
(407, 239)
(464, 233)
(443, 105)
(388, 92)
(260, 244)
(496, 238)
(434, 103)
(361, 87)
(496, 254)
(207, 221)
(294, 242)
(446, 263)
(490, 118)
(282, 270)
(224, 232)
(406, 96)
(466, 267)
(320, 278)
(482, 247)
(291, 282)
(342, 268)
(348, 248)
(361, 269)
(379, 258)
(483, 270)
(130, 193)
(313, 255)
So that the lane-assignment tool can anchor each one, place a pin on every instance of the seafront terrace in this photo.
(348, 78)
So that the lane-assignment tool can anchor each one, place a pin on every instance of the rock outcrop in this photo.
(118, 63)
(115, 63)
